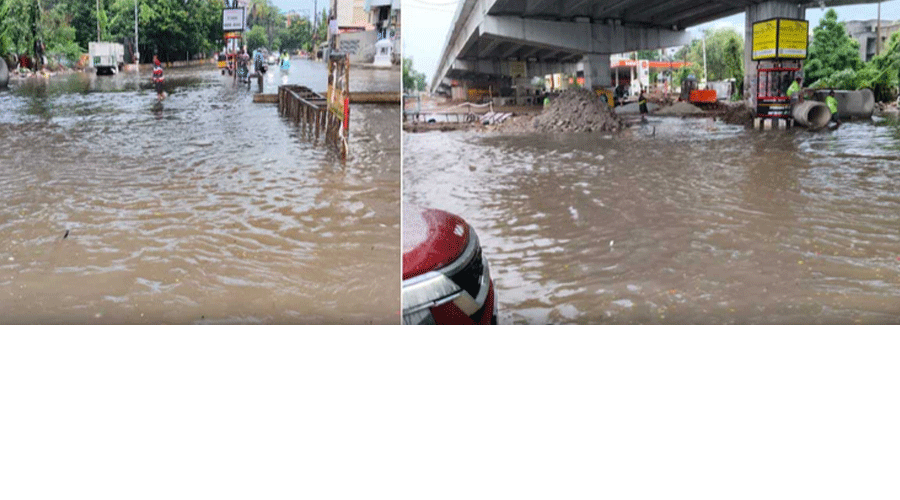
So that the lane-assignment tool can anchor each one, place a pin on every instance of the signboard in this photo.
(793, 36)
(765, 40)
(233, 19)
(517, 69)
(780, 39)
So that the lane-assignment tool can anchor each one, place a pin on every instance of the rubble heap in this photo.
(576, 110)
(680, 109)
(738, 113)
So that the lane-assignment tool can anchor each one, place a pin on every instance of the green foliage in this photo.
(59, 37)
(882, 73)
(734, 59)
(16, 25)
(297, 36)
(5, 42)
(257, 38)
(845, 79)
(834, 62)
(831, 51)
(679, 75)
(412, 79)
(724, 56)
(321, 33)
(82, 17)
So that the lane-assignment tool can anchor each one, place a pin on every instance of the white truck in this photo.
(107, 58)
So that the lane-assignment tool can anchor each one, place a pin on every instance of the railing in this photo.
(306, 108)
(316, 114)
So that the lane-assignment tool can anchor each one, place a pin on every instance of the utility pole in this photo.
(704, 58)
(315, 16)
(137, 53)
(98, 20)
(878, 32)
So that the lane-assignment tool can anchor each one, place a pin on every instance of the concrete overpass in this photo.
(490, 39)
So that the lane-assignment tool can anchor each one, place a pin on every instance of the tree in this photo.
(831, 50)
(264, 13)
(724, 55)
(82, 17)
(256, 38)
(173, 28)
(297, 36)
(734, 61)
(412, 79)
(882, 73)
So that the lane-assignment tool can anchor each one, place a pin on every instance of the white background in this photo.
(409, 413)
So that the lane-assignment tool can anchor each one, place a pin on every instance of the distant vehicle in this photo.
(272, 58)
(107, 58)
(446, 278)
(322, 51)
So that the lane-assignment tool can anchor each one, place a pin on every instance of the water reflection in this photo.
(207, 209)
(680, 221)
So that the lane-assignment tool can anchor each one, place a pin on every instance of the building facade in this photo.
(866, 33)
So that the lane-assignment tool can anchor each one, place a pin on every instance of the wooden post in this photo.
(318, 124)
(345, 142)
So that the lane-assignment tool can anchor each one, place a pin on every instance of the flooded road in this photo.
(212, 209)
(681, 221)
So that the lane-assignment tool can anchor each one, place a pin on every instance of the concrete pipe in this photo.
(4, 74)
(851, 103)
(811, 114)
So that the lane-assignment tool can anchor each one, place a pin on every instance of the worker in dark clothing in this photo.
(642, 102)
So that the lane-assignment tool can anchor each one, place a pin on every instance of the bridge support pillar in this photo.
(761, 12)
(596, 70)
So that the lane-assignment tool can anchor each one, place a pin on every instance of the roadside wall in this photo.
(359, 46)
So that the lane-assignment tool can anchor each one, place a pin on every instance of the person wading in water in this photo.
(158, 79)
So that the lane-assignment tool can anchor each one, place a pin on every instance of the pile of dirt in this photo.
(887, 108)
(680, 108)
(575, 110)
(737, 113)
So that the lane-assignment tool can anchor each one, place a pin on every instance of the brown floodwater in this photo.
(681, 221)
(212, 209)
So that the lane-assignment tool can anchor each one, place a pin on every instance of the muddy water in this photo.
(211, 209)
(681, 221)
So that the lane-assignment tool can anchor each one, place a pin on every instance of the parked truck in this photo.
(107, 58)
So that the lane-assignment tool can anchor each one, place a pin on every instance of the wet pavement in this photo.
(210, 209)
(681, 221)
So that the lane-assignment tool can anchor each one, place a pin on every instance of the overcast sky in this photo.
(302, 6)
(426, 24)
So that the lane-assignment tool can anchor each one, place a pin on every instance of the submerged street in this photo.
(678, 221)
(212, 209)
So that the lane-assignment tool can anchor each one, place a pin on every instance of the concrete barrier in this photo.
(4, 74)
(811, 114)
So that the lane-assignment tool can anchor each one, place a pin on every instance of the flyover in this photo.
(489, 40)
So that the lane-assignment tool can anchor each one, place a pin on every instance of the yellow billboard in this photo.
(765, 39)
(780, 39)
(517, 69)
(793, 36)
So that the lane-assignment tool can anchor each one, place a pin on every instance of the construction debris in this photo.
(680, 109)
(738, 113)
(575, 110)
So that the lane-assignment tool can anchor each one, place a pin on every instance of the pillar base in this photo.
(772, 123)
